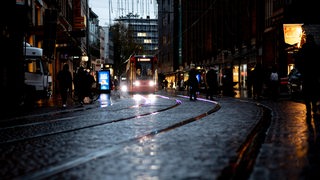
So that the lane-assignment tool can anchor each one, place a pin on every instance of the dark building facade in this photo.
(208, 33)
(279, 14)
(228, 33)
(59, 27)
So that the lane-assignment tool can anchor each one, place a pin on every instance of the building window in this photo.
(147, 41)
(142, 34)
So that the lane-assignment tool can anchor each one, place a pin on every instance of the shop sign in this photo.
(292, 33)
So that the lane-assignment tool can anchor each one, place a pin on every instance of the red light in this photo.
(132, 59)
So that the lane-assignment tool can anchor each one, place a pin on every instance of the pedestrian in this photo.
(306, 59)
(227, 82)
(211, 83)
(65, 83)
(250, 81)
(193, 84)
(115, 83)
(80, 84)
(89, 81)
(257, 81)
(165, 84)
(181, 84)
(274, 83)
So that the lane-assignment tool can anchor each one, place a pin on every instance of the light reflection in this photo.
(145, 158)
(137, 97)
(145, 152)
(148, 99)
(152, 97)
(104, 99)
(143, 139)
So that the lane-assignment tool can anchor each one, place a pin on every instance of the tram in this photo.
(142, 74)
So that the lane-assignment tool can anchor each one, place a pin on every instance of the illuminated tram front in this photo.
(142, 75)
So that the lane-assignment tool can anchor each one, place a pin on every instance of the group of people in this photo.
(305, 63)
(211, 82)
(257, 77)
(82, 81)
(305, 60)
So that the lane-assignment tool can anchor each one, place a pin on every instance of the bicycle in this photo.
(93, 96)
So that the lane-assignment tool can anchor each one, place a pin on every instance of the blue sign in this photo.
(104, 80)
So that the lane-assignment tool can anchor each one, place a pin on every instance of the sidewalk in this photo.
(291, 147)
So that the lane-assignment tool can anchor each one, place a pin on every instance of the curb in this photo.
(241, 166)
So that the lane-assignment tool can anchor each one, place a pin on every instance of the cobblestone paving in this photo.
(197, 150)
(285, 154)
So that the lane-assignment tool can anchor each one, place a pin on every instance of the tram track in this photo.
(239, 167)
(105, 151)
(16, 130)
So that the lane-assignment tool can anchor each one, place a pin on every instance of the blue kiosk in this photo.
(104, 80)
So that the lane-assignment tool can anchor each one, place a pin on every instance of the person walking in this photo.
(310, 74)
(258, 79)
(250, 82)
(274, 83)
(80, 85)
(89, 81)
(165, 84)
(65, 83)
(227, 81)
(212, 83)
(193, 84)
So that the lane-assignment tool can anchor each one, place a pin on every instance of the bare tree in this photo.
(123, 46)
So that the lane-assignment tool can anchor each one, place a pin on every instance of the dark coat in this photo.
(193, 81)
(65, 79)
(211, 79)
(306, 64)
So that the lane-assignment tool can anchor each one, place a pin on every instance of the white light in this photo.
(151, 83)
(84, 58)
(136, 83)
(152, 97)
(137, 97)
(124, 88)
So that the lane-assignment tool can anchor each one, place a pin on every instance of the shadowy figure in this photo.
(227, 82)
(89, 82)
(274, 83)
(257, 81)
(193, 84)
(212, 83)
(65, 83)
(250, 82)
(165, 84)
(80, 84)
(115, 83)
(306, 58)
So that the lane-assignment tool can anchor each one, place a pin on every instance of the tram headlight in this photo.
(124, 88)
(151, 83)
(136, 83)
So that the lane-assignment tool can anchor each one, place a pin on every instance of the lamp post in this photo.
(180, 34)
